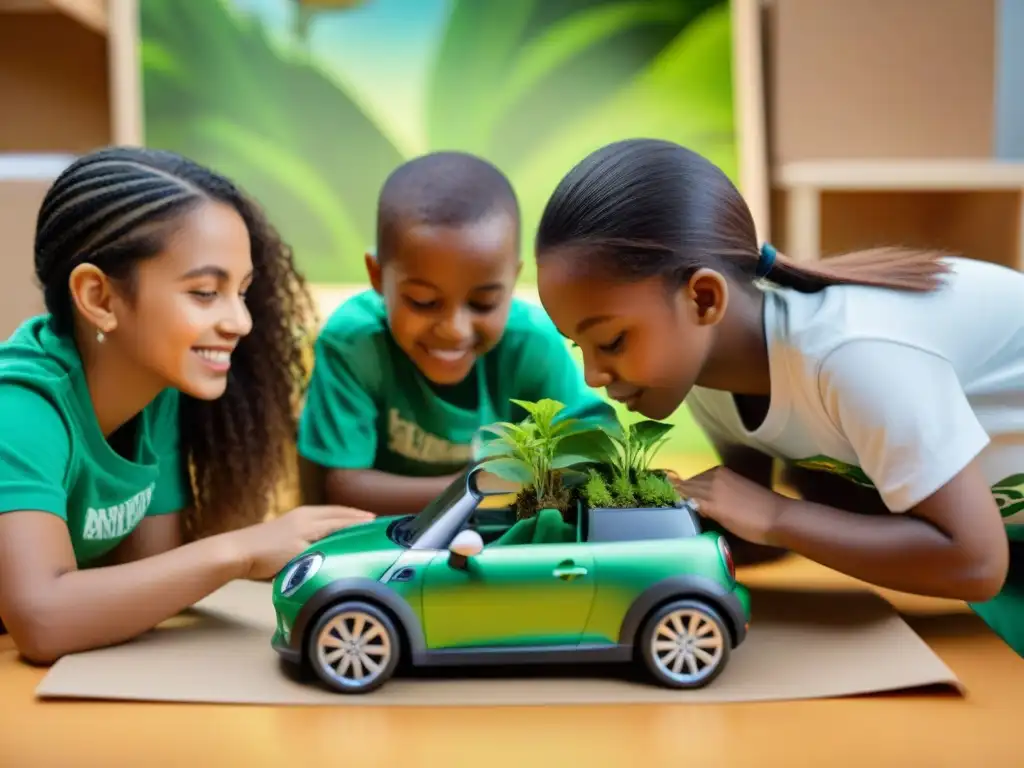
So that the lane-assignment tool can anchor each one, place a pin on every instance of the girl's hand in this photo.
(742, 507)
(267, 547)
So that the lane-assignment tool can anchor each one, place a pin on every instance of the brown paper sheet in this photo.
(801, 645)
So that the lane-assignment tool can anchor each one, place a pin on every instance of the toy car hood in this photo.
(364, 537)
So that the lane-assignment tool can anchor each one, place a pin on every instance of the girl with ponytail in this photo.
(889, 383)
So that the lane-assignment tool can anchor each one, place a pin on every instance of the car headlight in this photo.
(299, 572)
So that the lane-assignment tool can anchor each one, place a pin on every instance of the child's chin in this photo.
(445, 375)
(204, 390)
(655, 408)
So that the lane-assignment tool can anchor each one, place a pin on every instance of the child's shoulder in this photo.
(942, 321)
(359, 319)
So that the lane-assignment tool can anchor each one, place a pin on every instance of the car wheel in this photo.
(685, 644)
(354, 647)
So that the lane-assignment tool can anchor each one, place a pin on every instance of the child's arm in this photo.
(51, 608)
(383, 493)
(917, 438)
(950, 545)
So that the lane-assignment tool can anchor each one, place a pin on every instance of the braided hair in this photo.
(115, 207)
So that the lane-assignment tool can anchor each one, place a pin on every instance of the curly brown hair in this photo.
(115, 207)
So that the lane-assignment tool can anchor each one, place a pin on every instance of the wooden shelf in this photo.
(68, 84)
(968, 206)
(945, 174)
(89, 13)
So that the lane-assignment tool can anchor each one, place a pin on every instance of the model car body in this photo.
(463, 582)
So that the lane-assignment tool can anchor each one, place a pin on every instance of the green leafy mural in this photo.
(532, 85)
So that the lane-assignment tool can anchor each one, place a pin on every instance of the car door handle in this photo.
(569, 571)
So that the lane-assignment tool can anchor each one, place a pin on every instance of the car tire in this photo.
(354, 647)
(685, 644)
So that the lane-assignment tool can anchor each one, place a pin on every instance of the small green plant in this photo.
(543, 453)
(627, 454)
(632, 448)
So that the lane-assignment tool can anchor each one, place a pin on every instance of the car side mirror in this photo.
(465, 545)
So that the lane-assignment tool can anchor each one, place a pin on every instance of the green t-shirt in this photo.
(54, 457)
(369, 407)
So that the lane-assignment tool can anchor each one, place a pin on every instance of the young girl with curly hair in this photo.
(144, 418)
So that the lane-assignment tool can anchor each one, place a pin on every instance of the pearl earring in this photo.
(100, 336)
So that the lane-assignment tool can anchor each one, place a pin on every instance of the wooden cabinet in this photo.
(972, 207)
(882, 128)
(68, 84)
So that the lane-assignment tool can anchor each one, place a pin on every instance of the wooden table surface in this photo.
(908, 729)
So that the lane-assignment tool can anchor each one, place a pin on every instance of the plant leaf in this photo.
(572, 477)
(494, 449)
(567, 460)
(647, 433)
(508, 430)
(540, 406)
(513, 470)
(594, 443)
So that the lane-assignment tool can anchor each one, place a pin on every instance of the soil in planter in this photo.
(560, 498)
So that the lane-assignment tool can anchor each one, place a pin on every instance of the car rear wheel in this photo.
(354, 647)
(685, 644)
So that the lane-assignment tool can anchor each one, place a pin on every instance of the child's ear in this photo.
(93, 295)
(373, 270)
(708, 292)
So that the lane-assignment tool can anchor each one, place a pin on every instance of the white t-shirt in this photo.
(895, 390)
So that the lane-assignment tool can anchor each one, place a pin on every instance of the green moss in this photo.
(623, 491)
(655, 490)
(596, 490)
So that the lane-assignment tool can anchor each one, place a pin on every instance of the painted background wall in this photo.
(309, 105)
(311, 113)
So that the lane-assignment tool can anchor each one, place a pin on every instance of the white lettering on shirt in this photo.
(408, 439)
(118, 520)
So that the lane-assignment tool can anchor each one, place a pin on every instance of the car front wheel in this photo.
(354, 647)
(685, 644)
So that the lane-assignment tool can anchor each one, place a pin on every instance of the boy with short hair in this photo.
(406, 373)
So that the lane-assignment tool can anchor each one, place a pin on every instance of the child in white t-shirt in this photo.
(899, 371)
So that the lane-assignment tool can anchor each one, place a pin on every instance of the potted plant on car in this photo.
(544, 453)
(623, 477)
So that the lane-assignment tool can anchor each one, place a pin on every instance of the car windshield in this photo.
(407, 530)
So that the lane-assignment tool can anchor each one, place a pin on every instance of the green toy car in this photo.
(465, 582)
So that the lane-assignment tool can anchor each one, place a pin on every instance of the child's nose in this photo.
(595, 377)
(457, 327)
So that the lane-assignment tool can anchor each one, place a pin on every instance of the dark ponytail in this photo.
(641, 208)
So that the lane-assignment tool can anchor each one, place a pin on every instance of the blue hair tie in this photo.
(766, 262)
